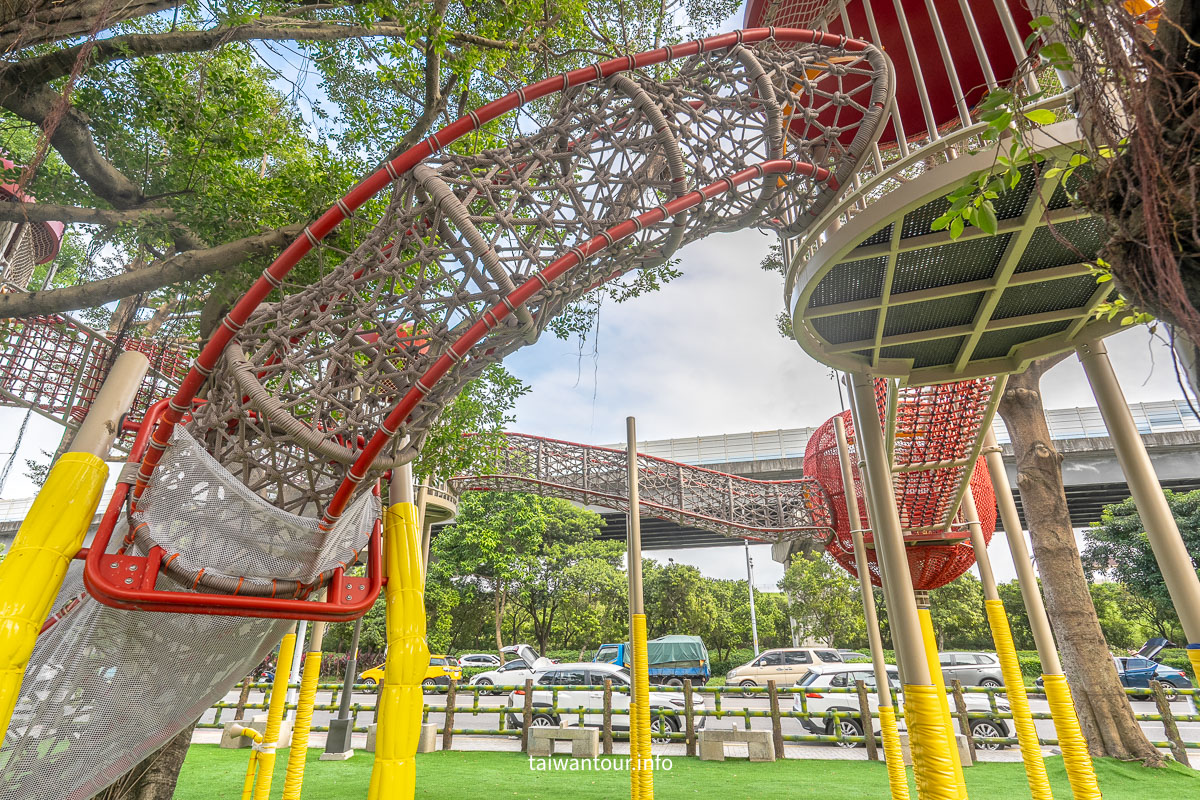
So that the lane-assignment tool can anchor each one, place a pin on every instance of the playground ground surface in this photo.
(210, 773)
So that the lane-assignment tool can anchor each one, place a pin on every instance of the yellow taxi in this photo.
(441, 670)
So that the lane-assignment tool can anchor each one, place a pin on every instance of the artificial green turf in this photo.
(214, 774)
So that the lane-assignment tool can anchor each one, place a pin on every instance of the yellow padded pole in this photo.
(275, 709)
(297, 757)
(892, 756)
(250, 733)
(1076, 759)
(401, 701)
(927, 736)
(1014, 687)
(939, 686)
(1193, 651)
(641, 681)
(33, 571)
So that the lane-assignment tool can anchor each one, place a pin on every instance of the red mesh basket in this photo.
(934, 559)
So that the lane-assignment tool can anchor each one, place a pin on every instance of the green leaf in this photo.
(941, 223)
(956, 227)
(1040, 116)
(986, 219)
(1038, 23)
(1104, 278)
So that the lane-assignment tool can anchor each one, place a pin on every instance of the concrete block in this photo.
(337, 741)
(712, 749)
(427, 743)
(759, 745)
(370, 747)
(585, 742)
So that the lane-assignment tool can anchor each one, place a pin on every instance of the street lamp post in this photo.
(750, 582)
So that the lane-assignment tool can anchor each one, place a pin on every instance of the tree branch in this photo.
(46, 212)
(182, 267)
(40, 69)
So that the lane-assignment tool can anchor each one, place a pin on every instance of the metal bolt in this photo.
(114, 565)
(133, 567)
(349, 597)
(362, 587)
(129, 580)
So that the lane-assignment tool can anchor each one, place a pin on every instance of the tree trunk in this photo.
(155, 777)
(1105, 715)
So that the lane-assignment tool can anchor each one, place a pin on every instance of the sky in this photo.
(702, 356)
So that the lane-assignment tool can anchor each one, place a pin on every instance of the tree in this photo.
(492, 546)
(676, 599)
(826, 602)
(571, 564)
(1117, 546)
(958, 616)
(1105, 715)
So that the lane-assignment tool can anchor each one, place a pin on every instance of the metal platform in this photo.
(886, 294)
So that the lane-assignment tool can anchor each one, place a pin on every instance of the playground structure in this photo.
(447, 259)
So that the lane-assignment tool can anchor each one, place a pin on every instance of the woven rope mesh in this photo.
(219, 534)
(933, 424)
(407, 274)
(105, 688)
(726, 504)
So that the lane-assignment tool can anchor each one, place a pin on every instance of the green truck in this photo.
(673, 659)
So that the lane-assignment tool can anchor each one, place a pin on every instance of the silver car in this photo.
(971, 668)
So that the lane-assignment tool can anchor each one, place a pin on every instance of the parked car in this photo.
(673, 659)
(784, 665)
(1136, 672)
(441, 670)
(971, 669)
(591, 673)
(851, 656)
(826, 676)
(479, 660)
(513, 673)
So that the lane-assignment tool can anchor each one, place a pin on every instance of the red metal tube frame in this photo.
(142, 596)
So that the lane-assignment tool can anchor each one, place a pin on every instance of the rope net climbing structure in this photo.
(727, 504)
(335, 365)
(937, 435)
(467, 254)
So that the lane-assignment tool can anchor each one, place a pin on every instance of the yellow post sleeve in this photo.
(275, 709)
(401, 701)
(939, 685)
(641, 665)
(931, 753)
(294, 777)
(892, 757)
(1014, 687)
(1076, 759)
(1193, 652)
(32, 573)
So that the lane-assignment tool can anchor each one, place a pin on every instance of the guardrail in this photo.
(685, 722)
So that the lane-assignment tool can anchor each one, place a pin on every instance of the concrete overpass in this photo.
(1090, 471)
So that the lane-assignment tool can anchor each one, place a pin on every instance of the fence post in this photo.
(527, 715)
(964, 722)
(243, 698)
(451, 701)
(864, 717)
(608, 737)
(1169, 726)
(776, 725)
(689, 717)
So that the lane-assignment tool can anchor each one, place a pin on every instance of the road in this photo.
(731, 706)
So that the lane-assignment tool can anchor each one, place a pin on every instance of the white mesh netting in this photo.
(106, 687)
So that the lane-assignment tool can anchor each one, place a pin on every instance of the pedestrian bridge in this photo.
(1090, 470)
